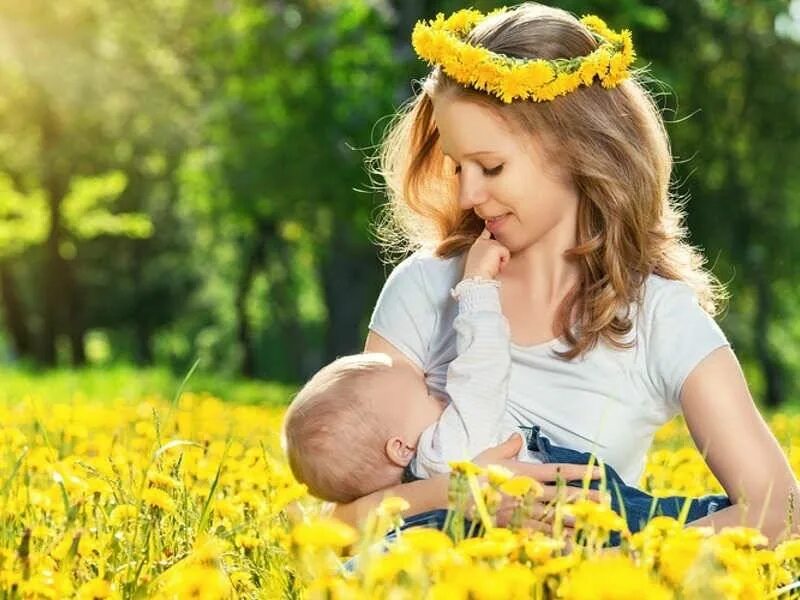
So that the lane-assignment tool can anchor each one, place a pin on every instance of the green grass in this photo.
(130, 383)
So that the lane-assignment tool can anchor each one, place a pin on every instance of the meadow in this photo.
(129, 484)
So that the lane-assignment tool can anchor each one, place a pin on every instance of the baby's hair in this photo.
(613, 143)
(331, 433)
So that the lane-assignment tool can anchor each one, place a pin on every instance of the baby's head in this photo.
(355, 425)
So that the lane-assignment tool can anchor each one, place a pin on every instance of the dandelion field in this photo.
(144, 495)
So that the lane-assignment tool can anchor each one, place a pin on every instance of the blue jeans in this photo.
(639, 507)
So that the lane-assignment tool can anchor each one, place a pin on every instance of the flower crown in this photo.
(440, 42)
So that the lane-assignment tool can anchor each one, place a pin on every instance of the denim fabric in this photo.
(636, 506)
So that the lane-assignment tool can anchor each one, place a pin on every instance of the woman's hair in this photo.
(612, 142)
(332, 435)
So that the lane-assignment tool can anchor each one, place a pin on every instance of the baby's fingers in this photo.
(570, 494)
(554, 471)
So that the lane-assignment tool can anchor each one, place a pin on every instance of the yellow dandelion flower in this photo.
(506, 581)
(324, 533)
(465, 467)
(165, 482)
(557, 565)
(518, 486)
(446, 590)
(540, 548)
(40, 532)
(392, 506)
(388, 566)
(464, 20)
(588, 69)
(594, 514)
(621, 580)
(241, 577)
(122, 514)
(486, 76)
(596, 24)
(426, 540)
(95, 589)
(207, 549)
(195, 581)
(246, 541)
(498, 475)
(470, 58)
(537, 73)
(742, 537)
(158, 499)
(677, 555)
(788, 550)
(227, 509)
(497, 542)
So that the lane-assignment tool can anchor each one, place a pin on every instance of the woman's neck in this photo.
(542, 272)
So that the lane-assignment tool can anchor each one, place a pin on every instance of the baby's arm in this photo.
(477, 379)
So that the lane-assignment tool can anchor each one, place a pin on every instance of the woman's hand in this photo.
(505, 454)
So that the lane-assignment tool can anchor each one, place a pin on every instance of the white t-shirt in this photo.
(609, 402)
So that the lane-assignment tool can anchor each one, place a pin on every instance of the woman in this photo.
(610, 310)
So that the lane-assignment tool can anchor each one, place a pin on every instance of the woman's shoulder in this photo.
(413, 301)
(669, 303)
(424, 268)
(659, 292)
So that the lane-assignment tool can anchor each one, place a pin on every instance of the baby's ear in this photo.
(398, 451)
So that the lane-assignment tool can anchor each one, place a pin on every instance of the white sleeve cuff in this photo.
(477, 295)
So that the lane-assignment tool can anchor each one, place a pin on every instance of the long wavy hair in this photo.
(612, 141)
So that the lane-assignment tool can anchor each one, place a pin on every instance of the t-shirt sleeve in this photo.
(404, 315)
(681, 334)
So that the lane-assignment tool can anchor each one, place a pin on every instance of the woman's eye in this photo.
(493, 171)
(488, 172)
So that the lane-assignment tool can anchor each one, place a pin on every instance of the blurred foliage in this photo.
(126, 383)
(187, 179)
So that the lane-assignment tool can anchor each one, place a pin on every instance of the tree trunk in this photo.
(75, 327)
(770, 365)
(14, 313)
(348, 276)
(144, 347)
(53, 283)
(284, 292)
(253, 262)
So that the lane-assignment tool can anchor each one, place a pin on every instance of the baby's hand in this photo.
(486, 258)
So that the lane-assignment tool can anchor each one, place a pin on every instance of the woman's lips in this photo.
(495, 223)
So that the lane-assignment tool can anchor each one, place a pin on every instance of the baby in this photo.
(364, 422)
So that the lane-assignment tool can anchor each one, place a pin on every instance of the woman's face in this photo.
(506, 178)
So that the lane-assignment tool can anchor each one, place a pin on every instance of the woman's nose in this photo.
(470, 192)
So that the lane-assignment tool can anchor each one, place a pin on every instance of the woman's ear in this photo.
(399, 452)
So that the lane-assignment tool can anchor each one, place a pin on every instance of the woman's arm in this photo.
(423, 495)
(740, 449)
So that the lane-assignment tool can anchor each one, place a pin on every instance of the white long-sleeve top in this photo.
(477, 383)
